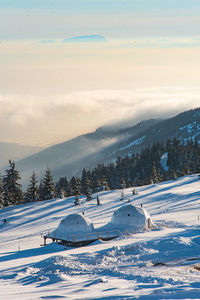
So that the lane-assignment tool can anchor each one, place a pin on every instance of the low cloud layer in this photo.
(47, 120)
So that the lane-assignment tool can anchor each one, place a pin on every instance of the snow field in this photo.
(157, 264)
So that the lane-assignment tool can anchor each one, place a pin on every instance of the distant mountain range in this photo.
(107, 143)
(15, 152)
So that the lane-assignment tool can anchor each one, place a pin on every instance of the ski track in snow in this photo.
(157, 264)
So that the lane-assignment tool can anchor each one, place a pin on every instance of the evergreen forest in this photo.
(136, 169)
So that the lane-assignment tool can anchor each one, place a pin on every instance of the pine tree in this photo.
(61, 187)
(85, 183)
(96, 184)
(75, 186)
(12, 188)
(154, 174)
(32, 193)
(185, 170)
(122, 195)
(123, 183)
(89, 195)
(104, 184)
(1, 193)
(134, 192)
(172, 174)
(41, 190)
(77, 200)
(48, 185)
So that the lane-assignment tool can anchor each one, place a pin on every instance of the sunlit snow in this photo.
(158, 264)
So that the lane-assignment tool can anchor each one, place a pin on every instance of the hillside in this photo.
(184, 127)
(69, 158)
(107, 143)
(147, 265)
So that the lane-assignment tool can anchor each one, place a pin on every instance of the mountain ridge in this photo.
(15, 151)
(104, 146)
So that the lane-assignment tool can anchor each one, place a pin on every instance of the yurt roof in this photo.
(130, 215)
(75, 223)
(76, 218)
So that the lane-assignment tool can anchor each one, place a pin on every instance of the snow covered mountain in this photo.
(107, 143)
(163, 263)
(184, 127)
(69, 158)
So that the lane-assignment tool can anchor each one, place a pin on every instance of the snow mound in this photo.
(159, 263)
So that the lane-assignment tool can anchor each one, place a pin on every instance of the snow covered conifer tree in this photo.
(185, 170)
(154, 177)
(32, 193)
(89, 195)
(75, 186)
(134, 192)
(13, 193)
(123, 183)
(97, 184)
(85, 183)
(77, 200)
(48, 185)
(104, 184)
(61, 188)
(1, 193)
(172, 174)
(41, 190)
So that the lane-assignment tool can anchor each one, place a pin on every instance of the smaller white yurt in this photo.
(131, 217)
(74, 227)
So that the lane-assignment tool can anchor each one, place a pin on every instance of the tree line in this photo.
(135, 169)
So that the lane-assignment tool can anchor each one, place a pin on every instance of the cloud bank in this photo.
(50, 119)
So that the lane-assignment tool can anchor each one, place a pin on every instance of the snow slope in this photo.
(157, 264)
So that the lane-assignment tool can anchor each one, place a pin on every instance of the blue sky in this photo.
(103, 5)
(22, 19)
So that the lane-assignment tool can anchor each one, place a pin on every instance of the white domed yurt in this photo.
(131, 217)
(74, 227)
(76, 223)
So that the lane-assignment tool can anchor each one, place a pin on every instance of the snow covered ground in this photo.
(157, 264)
